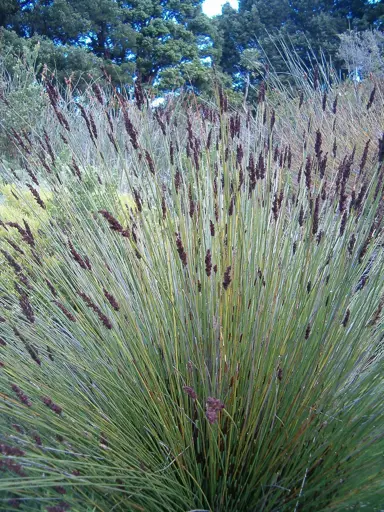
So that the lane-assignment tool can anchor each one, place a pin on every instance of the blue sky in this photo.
(212, 7)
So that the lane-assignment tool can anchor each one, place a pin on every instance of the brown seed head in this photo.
(180, 249)
(111, 299)
(343, 223)
(26, 308)
(150, 162)
(346, 318)
(208, 263)
(324, 103)
(177, 181)
(318, 143)
(364, 155)
(371, 98)
(76, 256)
(227, 277)
(105, 321)
(37, 197)
(334, 148)
(137, 198)
(307, 173)
(213, 408)
(65, 311)
(139, 94)
(190, 392)
(315, 224)
(301, 216)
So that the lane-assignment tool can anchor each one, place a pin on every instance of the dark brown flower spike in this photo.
(26, 308)
(51, 287)
(26, 233)
(212, 228)
(130, 129)
(192, 204)
(65, 311)
(381, 149)
(137, 198)
(98, 93)
(180, 249)
(252, 173)
(111, 299)
(90, 124)
(104, 319)
(32, 175)
(13, 466)
(301, 99)
(315, 224)
(150, 162)
(190, 392)
(114, 224)
(351, 244)
(346, 318)
(365, 155)
(76, 256)
(318, 143)
(22, 396)
(273, 119)
(227, 277)
(324, 102)
(49, 403)
(371, 98)
(14, 246)
(139, 93)
(307, 173)
(208, 263)
(37, 197)
(275, 206)
(11, 261)
(213, 407)
(334, 148)
(13, 451)
(334, 106)
(343, 223)
(260, 168)
(301, 216)
(177, 181)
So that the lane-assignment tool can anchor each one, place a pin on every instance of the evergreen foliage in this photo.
(310, 25)
(143, 38)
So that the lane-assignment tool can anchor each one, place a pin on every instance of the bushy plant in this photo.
(362, 53)
(19, 88)
(216, 347)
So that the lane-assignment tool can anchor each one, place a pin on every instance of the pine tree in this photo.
(146, 38)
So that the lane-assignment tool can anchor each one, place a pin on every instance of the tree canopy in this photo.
(142, 37)
(170, 43)
(314, 24)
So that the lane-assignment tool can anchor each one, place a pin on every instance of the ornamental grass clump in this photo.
(216, 344)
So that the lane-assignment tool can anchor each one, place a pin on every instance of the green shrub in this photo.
(216, 347)
(19, 88)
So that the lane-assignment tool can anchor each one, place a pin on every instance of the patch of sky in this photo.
(213, 7)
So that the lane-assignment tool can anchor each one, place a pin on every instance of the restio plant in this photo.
(218, 345)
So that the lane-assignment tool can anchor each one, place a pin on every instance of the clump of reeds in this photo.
(214, 343)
